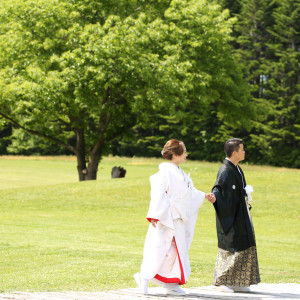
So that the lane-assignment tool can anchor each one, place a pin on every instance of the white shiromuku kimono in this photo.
(175, 204)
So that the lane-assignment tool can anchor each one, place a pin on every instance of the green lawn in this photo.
(58, 234)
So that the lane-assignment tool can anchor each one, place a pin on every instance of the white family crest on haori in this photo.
(175, 204)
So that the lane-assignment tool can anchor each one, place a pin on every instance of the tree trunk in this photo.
(84, 172)
(90, 172)
(80, 154)
(93, 166)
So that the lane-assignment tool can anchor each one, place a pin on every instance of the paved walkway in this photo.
(287, 291)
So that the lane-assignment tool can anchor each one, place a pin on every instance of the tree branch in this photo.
(107, 94)
(35, 132)
(103, 124)
(68, 125)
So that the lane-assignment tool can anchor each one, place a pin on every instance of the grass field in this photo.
(58, 234)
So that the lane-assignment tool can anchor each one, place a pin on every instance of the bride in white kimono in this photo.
(172, 213)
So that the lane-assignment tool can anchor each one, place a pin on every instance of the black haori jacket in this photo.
(234, 227)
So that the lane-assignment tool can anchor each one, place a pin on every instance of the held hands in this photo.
(210, 197)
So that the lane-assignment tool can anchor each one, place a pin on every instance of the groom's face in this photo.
(240, 154)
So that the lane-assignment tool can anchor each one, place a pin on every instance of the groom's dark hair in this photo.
(232, 145)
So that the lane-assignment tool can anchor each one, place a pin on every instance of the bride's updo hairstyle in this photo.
(172, 147)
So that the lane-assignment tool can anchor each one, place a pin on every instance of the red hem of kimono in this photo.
(149, 219)
(173, 280)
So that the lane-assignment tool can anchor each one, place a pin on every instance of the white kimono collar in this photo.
(168, 166)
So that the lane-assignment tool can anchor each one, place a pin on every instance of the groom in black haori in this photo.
(237, 266)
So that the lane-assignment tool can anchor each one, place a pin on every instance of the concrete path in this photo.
(286, 291)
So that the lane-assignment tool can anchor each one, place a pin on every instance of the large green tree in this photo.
(220, 109)
(81, 73)
(281, 128)
(267, 36)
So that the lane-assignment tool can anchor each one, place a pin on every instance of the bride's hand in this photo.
(153, 223)
(210, 197)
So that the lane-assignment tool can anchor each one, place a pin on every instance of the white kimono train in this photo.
(175, 204)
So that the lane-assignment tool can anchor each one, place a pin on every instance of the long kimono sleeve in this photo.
(197, 198)
(224, 204)
(159, 208)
